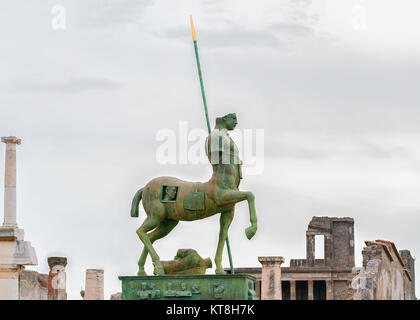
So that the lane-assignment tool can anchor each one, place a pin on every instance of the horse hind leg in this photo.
(149, 224)
(161, 231)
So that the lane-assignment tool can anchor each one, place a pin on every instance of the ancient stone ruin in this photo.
(387, 274)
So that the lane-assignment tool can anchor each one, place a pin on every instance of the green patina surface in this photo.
(168, 200)
(189, 287)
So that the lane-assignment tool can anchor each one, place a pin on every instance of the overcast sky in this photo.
(337, 97)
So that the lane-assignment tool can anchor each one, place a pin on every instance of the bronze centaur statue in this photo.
(168, 200)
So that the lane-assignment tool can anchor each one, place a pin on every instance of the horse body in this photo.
(213, 189)
(152, 199)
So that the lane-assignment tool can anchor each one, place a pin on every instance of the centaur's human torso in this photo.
(223, 154)
(197, 200)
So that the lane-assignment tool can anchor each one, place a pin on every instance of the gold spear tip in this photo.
(194, 36)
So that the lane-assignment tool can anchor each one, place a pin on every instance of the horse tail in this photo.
(135, 204)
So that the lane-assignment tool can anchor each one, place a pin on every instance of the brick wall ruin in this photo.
(33, 285)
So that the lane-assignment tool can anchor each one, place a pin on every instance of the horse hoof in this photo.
(142, 273)
(250, 232)
(158, 271)
(220, 271)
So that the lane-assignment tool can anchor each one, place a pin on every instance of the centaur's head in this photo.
(228, 122)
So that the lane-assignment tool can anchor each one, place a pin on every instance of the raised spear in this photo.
(197, 58)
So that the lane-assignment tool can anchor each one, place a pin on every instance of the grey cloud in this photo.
(100, 13)
(213, 8)
(390, 151)
(231, 36)
(217, 20)
(291, 29)
(301, 22)
(301, 12)
(73, 85)
(318, 147)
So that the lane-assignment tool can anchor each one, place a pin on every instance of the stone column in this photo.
(330, 293)
(94, 287)
(292, 289)
(310, 249)
(271, 278)
(10, 181)
(15, 253)
(310, 290)
(57, 278)
(328, 250)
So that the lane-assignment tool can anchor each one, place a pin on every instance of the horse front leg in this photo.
(225, 221)
(232, 197)
(250, 231)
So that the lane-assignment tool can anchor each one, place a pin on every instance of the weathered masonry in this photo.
(387, 274)
(322, 279)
